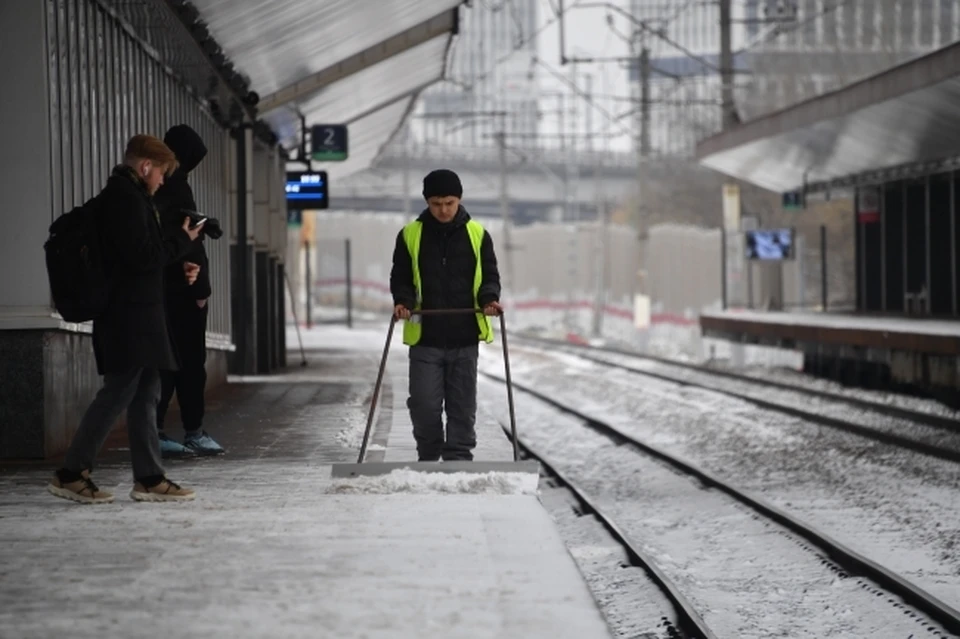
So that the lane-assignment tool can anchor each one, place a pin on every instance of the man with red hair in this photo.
(130, 340)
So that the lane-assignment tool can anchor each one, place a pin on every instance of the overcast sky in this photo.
(587, 35)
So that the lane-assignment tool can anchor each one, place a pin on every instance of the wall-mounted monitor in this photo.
(769, 244)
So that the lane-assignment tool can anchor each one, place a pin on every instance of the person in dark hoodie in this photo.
(444, 260)
(187, 285)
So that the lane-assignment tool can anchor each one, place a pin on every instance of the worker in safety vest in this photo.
(444, 260)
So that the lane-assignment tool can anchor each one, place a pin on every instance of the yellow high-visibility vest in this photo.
(413, 328)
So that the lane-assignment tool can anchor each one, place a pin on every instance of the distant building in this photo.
(785, 51)
(834, 43)
(491, 69)
(684, 83)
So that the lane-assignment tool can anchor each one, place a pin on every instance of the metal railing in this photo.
(106, 85)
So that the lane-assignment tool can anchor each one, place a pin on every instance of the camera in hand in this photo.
(211, 225)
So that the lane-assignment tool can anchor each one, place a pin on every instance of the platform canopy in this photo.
(866, 132)
(336, 62)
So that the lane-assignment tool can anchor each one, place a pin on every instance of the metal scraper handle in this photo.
(383, 366)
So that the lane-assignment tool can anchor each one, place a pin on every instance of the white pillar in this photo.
(27, 174)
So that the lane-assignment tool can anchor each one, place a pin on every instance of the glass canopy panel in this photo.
(280, 42)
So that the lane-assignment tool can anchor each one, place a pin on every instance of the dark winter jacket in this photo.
(132, 331)
(447, 267)
(173, 199)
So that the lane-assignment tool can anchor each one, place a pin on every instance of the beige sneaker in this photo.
(83, 490)
(166, 490)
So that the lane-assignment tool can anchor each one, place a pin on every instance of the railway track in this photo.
(688, 622)
(689, 619)
(935, 435)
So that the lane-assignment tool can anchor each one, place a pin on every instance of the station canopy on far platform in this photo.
(896, 123)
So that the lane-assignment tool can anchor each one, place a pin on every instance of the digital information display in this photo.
(307, 190)
(769, 244)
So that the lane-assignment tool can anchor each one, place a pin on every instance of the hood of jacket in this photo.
(460, 219)
(187, 145)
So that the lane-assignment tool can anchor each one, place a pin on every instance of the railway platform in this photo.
(274, 547)
(901, 353)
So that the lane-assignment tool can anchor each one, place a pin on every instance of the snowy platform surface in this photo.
(275, 547)
(916, 326)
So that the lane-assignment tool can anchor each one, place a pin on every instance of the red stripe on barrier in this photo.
(533, 305)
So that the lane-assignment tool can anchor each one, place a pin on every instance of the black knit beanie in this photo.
(442, 183)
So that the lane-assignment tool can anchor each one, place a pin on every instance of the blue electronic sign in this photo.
(307, 190)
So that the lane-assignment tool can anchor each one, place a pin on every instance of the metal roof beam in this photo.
(892, 83)
(445, 22)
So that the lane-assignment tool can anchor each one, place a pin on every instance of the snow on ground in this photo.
(330, 314)
(266, 551)
(352, 436)
(272, 548)
(800, 400)
(365, 336)
(632, 603)
(798, 378)
(420, 483)
(747, 577)
(898, 507)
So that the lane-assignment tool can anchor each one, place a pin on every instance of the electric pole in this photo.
(600, 253)
(729, 114)
(407, 214)
(644, 102)
(505, 205)
(643, 135)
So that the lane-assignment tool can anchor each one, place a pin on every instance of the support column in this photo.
(28, 206)
(282, 306)
(276, 313)
(47, 373)
(244, 361)
(262, 173)
(939, 251)
(277, 247)
(859, 252)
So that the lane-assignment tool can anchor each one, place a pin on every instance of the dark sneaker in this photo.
(166, 490)
(81, 490)
(202, 444)
(172, 449)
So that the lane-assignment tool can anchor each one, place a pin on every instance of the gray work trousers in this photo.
(137, 391)
(443, 379)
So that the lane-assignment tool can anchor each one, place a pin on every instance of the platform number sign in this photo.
(794, 201)
(306, 191)
(328, 142)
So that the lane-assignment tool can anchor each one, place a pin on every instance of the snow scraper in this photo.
(383, 468)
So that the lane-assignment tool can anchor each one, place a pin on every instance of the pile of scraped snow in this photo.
(409, 481)
(351, 436)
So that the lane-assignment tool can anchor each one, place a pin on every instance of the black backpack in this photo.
(78, 281)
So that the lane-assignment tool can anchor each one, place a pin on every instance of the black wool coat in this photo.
(132, 332)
